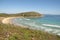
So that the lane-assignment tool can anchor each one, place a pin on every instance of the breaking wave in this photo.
(51, 25)
(34, 25)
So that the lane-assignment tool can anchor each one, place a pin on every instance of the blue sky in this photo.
(42, 6)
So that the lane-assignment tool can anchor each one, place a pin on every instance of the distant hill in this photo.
(3, 15)
(24, 14)
(29, 14)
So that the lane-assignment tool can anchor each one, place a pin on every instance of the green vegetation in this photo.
(24, 14)
(3, 15)
(11, 32)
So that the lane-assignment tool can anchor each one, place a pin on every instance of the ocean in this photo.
(48, 23)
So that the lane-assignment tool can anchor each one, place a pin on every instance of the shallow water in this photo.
(48, 23)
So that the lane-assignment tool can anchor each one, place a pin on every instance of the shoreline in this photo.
(8, 20)
(1, 18)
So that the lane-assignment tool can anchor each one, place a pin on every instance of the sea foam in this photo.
(51, 25)
(33, 25)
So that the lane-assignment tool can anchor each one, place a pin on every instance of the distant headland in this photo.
(24, 14)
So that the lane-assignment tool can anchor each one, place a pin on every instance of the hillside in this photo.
(11, 32)
(31, 14)
(3, 15)
(24, 14)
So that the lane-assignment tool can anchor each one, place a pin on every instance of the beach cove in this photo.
(22, 28)
(32, 24)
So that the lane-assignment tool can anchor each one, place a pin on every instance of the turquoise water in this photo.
(48, 23)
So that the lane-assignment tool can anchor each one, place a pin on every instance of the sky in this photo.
(41, 6)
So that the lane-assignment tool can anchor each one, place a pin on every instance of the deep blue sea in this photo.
(48, 23)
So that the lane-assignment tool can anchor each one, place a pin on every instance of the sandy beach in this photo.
(7, 20)
(1, 18)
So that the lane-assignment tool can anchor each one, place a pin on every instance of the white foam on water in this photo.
(48, 30)
(51, 25)
(26, 19)
(20, 19)
(34, 25)
(51, 30)
(58, 34)
(56, 31)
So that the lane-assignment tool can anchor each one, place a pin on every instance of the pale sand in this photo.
(1, 18)
(8, 20)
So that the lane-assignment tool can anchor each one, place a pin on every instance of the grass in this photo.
(11, 32)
